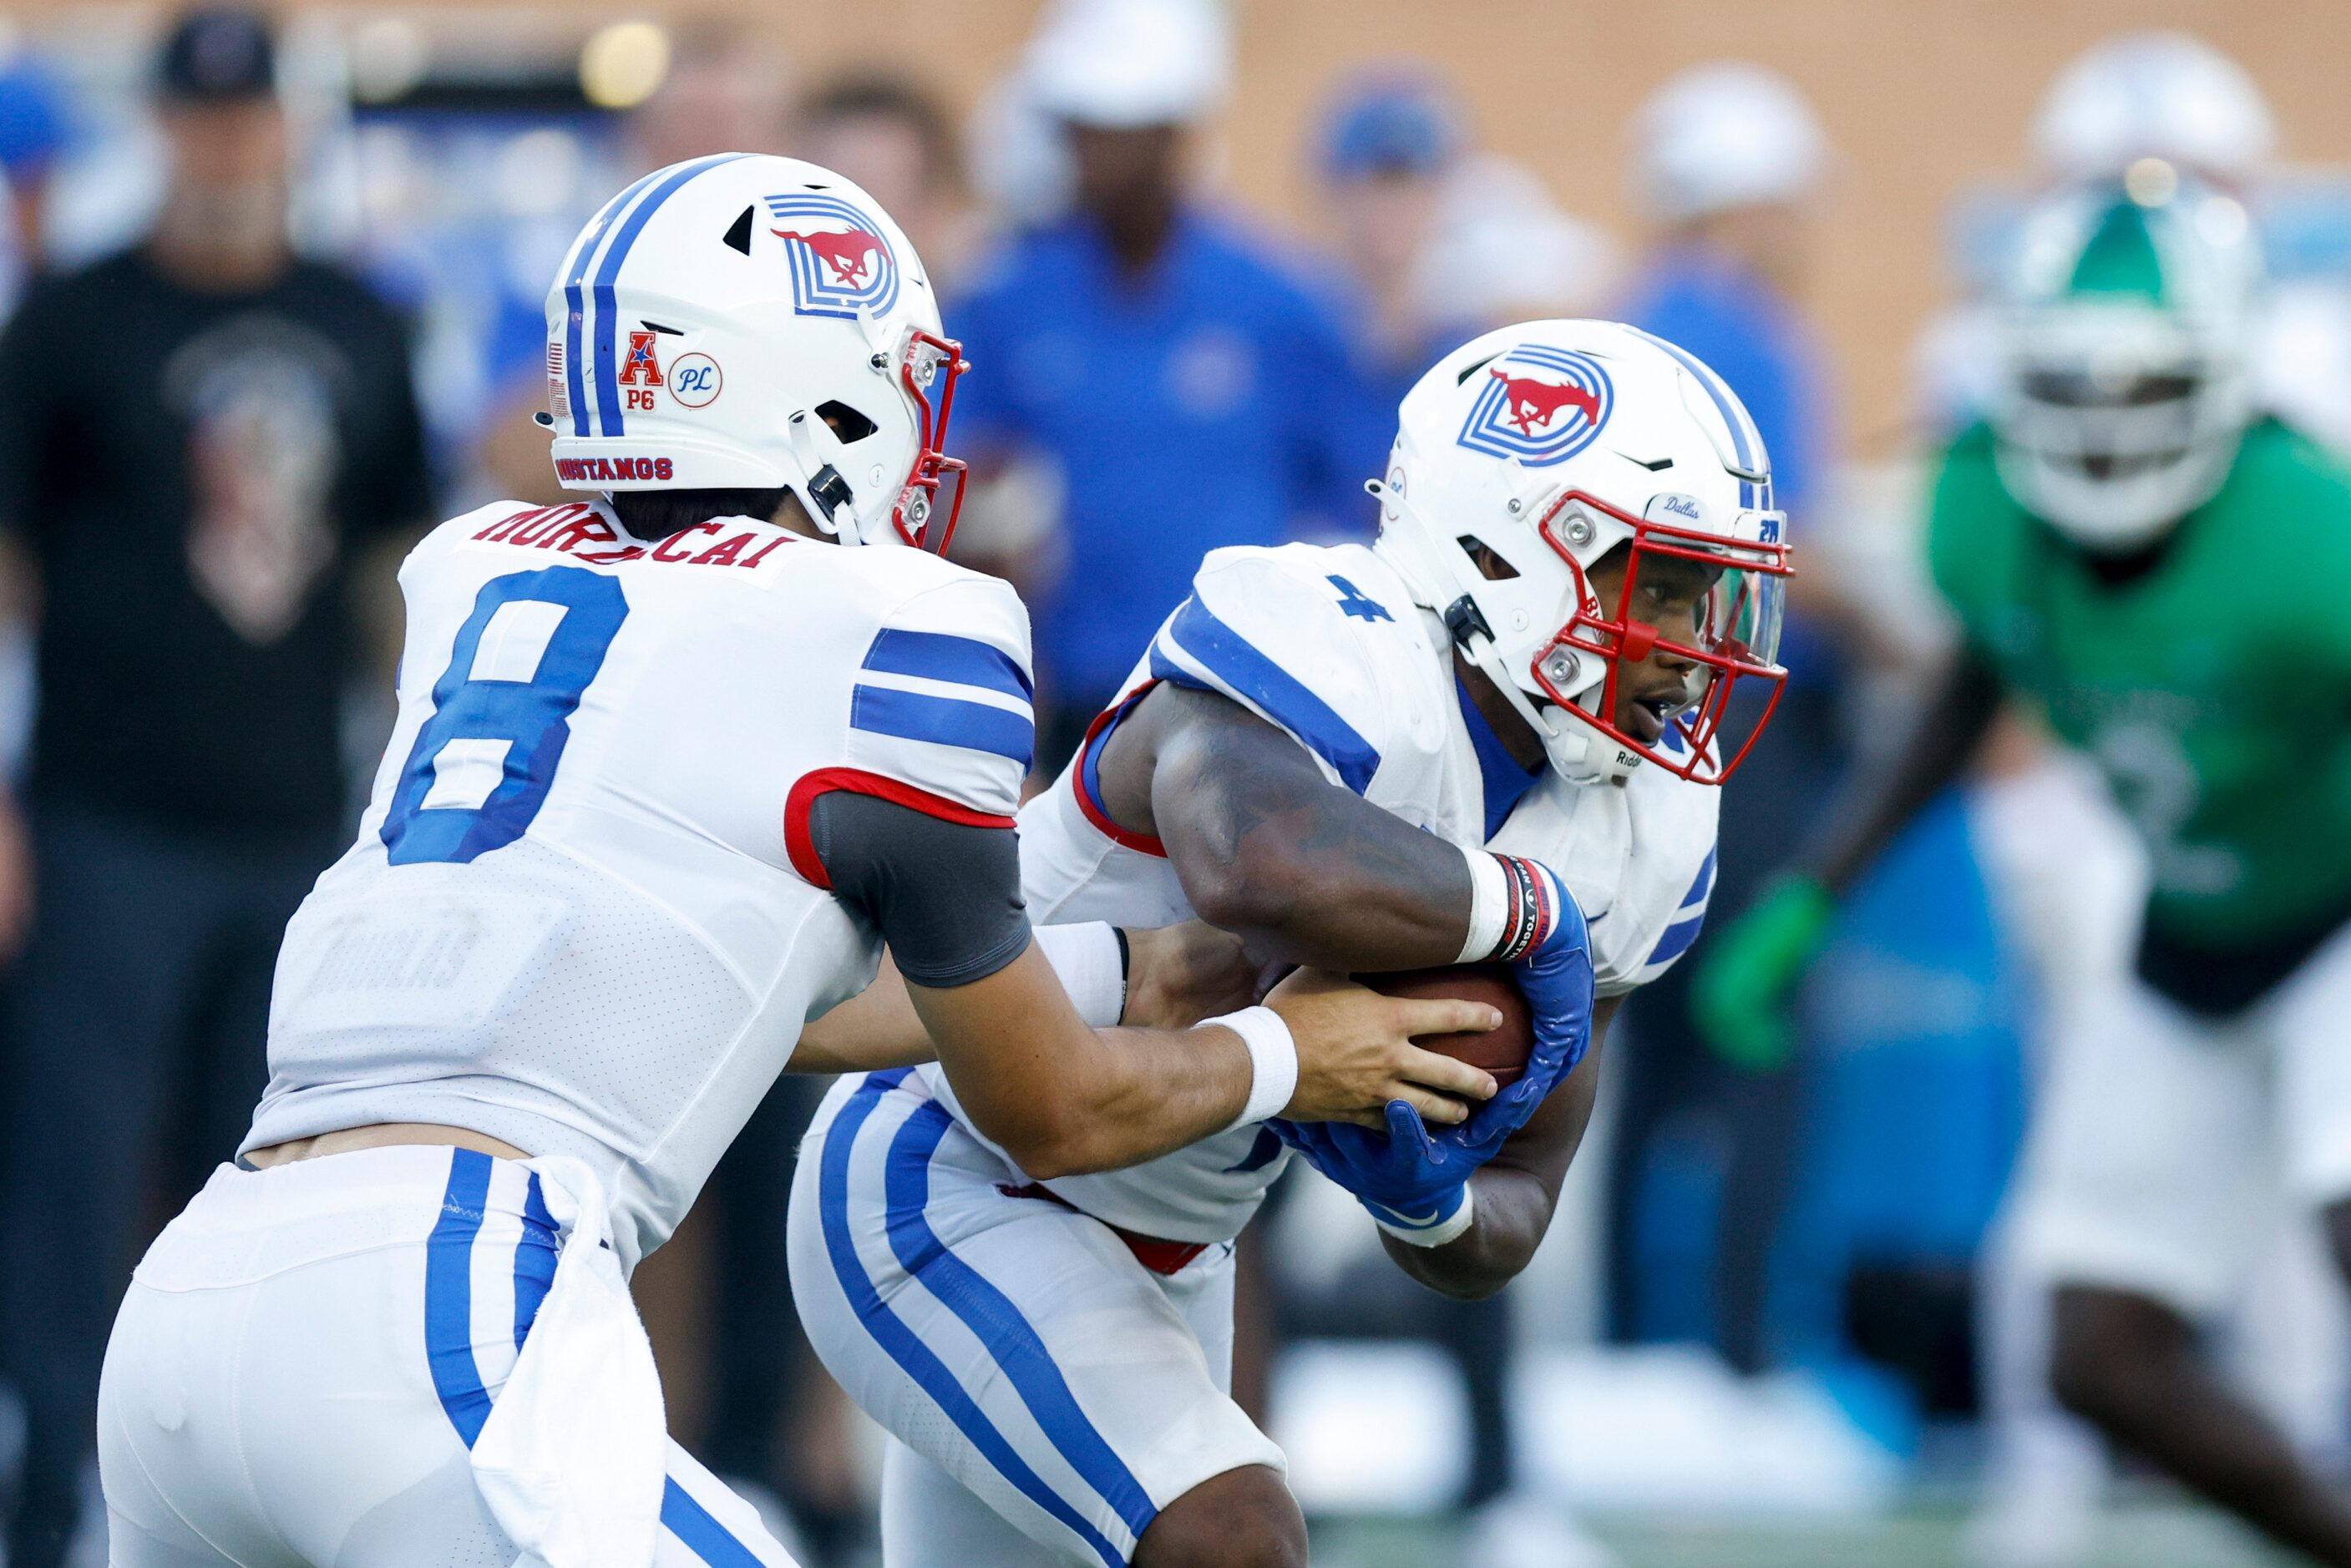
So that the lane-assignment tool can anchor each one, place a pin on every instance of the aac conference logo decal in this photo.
(838, 265)
(1539, 405)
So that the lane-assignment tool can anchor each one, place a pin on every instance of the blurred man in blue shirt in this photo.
(1727, 163)
(1192, 386)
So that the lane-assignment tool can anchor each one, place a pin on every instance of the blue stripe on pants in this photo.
(449, 1295)
(998, 1324)
(917, 1360)
(449, 1332)
(702, 1534)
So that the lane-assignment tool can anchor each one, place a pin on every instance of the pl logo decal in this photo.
(1539, 405)
(694, 381)
(838, 265)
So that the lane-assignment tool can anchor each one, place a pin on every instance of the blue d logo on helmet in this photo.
(1539, 405)
(838, 265)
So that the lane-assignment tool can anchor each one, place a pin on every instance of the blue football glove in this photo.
(1555, 974)
(1413, 1186)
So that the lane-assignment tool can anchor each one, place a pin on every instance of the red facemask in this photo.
(916, 513)
(1733, 636)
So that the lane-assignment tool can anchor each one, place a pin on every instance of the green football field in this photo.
(2154, 1531)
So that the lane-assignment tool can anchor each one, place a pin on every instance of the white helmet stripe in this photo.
(575, 273)
(1746, 441)
(607, 367)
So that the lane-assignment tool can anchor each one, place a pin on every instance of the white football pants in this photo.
(308, 1353)
(1050, 1394)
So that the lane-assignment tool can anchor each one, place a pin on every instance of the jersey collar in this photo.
(1506, 782)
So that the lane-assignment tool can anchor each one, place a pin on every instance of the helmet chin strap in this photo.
(1577, 753)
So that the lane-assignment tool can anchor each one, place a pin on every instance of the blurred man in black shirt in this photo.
(198, 438)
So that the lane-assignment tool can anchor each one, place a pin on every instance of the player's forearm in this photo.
(1304, 871)
(1063, 1098)
(1513, 1211)
(1875, 807)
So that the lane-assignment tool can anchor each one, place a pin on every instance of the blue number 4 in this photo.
(484, 762)
(1357, 603)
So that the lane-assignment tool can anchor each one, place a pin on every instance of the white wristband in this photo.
(1490, 907)
(1090, 960)
(1273, 1060)
(1446, 1230)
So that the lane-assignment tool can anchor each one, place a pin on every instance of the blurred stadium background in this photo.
(448, 152)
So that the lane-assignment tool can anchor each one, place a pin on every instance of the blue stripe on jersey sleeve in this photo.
(965, 660)
(1704, 884)
(1231, 659)
(943, 721)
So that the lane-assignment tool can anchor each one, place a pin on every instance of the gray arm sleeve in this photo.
(944, 895)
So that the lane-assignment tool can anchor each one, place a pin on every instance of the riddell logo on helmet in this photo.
(1539, 405)
(838, 263)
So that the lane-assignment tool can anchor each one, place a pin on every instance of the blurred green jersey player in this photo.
(2133, 549)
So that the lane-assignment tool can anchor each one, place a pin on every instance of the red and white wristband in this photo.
(1513, 907)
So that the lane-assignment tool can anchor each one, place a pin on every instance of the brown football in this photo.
(1502, 1051)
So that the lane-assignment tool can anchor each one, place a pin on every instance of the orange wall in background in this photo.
(1924, 98)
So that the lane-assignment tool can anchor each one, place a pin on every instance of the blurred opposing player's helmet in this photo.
(749, 322)
(1554, 445)
(2154, 95)
(2126, 345)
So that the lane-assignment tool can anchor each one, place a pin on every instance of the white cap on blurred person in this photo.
(1724, 135)
(1123, 64)
(1016, 156)
(2154, 95)
(1501, 249)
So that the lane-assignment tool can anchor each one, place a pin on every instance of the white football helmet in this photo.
(2126, 375)
(1556, 445)
(744, 321)
(2154, 95)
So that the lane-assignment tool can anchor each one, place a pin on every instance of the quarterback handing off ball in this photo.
(1502, 1049)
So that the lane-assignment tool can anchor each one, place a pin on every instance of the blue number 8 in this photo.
(531, 715)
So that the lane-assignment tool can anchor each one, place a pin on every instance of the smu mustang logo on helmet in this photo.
(1539, 405)
(838, 265)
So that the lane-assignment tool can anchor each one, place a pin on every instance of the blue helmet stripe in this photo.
(1744, 442)
(608, 385)
(576, 274)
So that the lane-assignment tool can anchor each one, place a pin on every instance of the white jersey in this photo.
(1326, 643)
(583, 915)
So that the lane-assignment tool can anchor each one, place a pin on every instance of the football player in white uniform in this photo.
(668, 770)
(1488, 736)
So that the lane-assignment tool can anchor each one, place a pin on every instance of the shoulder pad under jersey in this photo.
(1289, 635)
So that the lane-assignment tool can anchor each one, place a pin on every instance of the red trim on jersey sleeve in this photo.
(1083, 769)
(801, 847)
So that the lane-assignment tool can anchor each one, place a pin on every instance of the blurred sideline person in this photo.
(1440, 749)
(728, 88)
(2128, 544)
(36, 131)
(219, 433)
(1728, 160)
(674, 762)
(891, 135)
(1389, 142)
(1178, 371)
(1392, 151)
